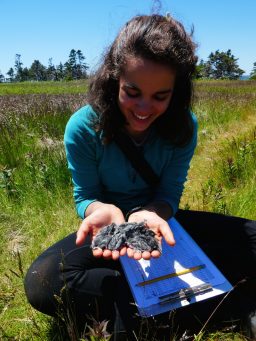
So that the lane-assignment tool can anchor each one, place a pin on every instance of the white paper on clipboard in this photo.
(184, 255)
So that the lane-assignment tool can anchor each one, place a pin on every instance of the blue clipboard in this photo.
(181, 276)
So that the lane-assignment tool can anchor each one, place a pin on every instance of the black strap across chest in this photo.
(136, 157)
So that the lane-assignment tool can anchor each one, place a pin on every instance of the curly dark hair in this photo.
(160, 39)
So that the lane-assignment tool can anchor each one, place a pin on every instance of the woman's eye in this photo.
(132, 95)
(160, 98)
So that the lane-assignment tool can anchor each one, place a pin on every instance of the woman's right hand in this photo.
(100, 215)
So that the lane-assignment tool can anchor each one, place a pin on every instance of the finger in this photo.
(137, 255)
(97, 253)
(146, 255)
(115, 254)
(130, 252)
(167, 234)
(82, 232)
(123, 251)
(155, 254)
(107, 253)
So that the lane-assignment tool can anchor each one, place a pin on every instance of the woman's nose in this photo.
(144, 107)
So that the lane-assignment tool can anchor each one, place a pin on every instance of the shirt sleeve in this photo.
(80, 143)
(175, 173)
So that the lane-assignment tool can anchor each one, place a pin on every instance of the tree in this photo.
(18, 67)
(25, 74)
(10, 73)
(38, 71)
(68, 73)
(51, 71)
(253, 73)
(202, 70)
(70, 65)
(60, 73)
(1, 77)
(75, 67)
(81, 65)
(223, 65)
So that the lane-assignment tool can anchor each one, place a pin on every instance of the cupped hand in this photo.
(103, 215)
(158, 225)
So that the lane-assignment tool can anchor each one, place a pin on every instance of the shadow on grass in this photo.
(57, 331)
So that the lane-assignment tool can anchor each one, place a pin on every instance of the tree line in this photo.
(219, 65)
(74, 68)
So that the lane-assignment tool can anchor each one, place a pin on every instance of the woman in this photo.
(143, 91)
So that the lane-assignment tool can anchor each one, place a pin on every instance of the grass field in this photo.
(52, 88)
(36, 200)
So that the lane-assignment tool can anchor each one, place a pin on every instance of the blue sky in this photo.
(43, 29)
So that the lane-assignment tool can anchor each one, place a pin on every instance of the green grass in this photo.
(36, 209)
(64, 87)
(222, 174)
(36, 200)
(231, 179)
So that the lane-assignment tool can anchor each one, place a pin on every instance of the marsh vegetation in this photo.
(36, 200)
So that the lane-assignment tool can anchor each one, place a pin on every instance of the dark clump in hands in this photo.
(133, 235)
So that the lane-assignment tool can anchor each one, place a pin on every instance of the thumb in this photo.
(82, 232)
(167, 234)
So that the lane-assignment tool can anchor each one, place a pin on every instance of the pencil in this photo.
(173, 274)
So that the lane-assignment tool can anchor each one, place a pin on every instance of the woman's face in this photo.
(145, 91)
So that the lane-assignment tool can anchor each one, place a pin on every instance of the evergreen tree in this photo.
(203, 70)
(82, 67)
(223, 65)
(11, 75)
(2, 79)
(75, 67)
(25, 74)
(38, 71)
(18, 68)
(253, 73)
(60, 73)
(72, 65)
(68, 72)
(51, 71)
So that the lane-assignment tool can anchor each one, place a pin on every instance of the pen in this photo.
(186, 293)
(173, 274)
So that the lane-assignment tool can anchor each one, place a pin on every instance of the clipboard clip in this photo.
(186, 293)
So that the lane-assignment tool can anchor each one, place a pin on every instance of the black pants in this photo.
(68, 277)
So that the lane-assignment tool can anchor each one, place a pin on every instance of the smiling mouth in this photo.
(141, 117)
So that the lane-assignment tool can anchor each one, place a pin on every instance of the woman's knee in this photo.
(42, 284)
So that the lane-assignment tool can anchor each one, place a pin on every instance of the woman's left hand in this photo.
(158, 225)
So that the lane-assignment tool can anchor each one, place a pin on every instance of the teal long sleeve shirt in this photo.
(103, 173)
